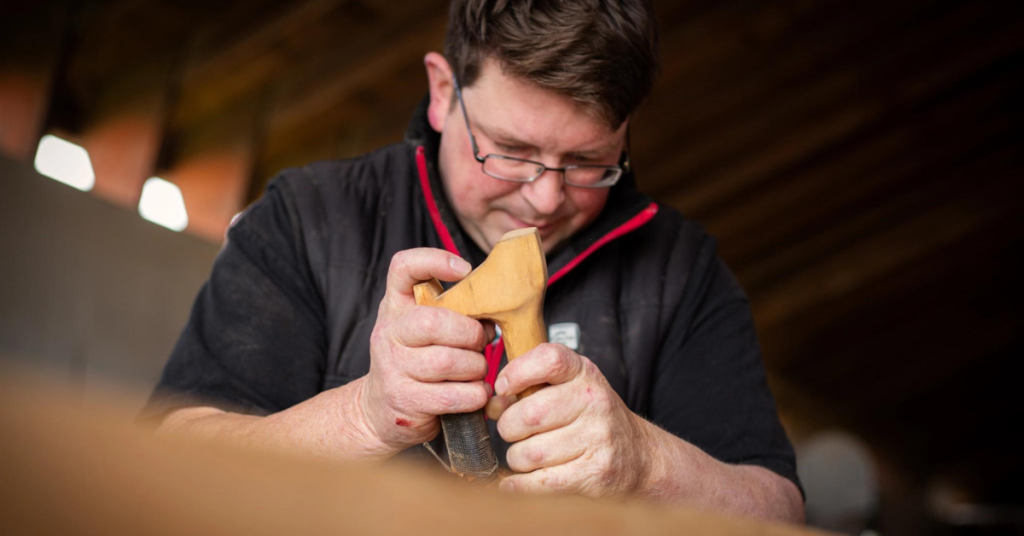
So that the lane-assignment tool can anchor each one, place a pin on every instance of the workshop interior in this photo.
(861, 165)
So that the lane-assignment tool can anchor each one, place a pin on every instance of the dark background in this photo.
(859, 162)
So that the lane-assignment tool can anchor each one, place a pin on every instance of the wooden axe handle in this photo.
(507, 288)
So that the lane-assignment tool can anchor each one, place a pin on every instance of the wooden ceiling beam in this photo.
(879, 263)
(744, 125)
(906, 152)
(898, 332)
(233, 55)
(699, 100)
(32, 45)
(304, 103)
(213, 163)
(215, 53)
(287, 45)
(351, 126)
(376, 94)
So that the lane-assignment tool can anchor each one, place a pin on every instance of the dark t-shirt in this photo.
(293, 296)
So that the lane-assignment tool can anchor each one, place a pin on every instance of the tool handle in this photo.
(465, 434)
(508, 288)
(521, 336)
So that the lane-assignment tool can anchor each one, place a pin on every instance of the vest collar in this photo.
(626, 210)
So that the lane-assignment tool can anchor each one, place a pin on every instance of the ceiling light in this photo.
(65, 162)
(162, 204)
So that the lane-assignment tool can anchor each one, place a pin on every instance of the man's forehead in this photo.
(510, 110)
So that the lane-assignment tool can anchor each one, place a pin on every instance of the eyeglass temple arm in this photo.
(465, 117)
(625, 164)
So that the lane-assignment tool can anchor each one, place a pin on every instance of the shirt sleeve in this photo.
(255, 341)
(710, 387)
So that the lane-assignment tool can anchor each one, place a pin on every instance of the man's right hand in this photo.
(424, 361)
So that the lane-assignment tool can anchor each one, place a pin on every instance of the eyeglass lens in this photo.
(514, 169)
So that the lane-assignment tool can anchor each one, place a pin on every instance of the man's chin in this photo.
(550, 241)
(551, 238)
(553, 242)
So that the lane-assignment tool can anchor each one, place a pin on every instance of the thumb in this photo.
(497, 405)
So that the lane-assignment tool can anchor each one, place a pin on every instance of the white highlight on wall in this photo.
(65, 162)
(162, 204)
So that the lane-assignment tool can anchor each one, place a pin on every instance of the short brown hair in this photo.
(603, 54)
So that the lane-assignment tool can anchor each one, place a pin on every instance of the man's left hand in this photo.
(574, 436)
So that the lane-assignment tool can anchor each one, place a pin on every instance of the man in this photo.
(307, 335)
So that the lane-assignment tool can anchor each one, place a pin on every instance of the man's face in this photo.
(515, 118)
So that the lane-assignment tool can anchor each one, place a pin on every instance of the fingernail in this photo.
(490, 390)
(459, 265)
(501, 386)
(507, 485)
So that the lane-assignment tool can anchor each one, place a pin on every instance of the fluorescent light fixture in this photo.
(162, 204)
(65, 162)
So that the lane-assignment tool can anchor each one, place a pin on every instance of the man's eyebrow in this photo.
(597, 151)
(500, 136)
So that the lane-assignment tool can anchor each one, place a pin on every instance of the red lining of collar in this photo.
(629, 226)
(435, 213)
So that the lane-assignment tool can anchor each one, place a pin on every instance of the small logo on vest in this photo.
(567, 333)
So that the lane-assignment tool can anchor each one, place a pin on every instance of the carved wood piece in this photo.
(507, 288)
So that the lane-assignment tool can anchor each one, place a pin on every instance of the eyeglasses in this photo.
(510, 168)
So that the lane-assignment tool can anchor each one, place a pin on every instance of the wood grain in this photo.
(74, 468)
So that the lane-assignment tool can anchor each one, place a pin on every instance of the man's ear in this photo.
(439, 78)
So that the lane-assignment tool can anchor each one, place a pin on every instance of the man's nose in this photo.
(546, 193)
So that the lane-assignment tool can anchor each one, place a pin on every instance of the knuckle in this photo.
(550, 356)
(533, 414)
(439, 363)
(448, 399)
(546, 361)
(553, 482)
(377, 337)
(425, 319)
(384, 306)
(383, 331)
(399, 261)
(534, 455)
(589, 368)
(598, 400)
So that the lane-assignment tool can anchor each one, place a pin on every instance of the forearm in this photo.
(330, 425)
(680, 472)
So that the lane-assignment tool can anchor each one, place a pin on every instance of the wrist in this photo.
(362, 434)
(330, 425)
(653, 465)
(668, 465)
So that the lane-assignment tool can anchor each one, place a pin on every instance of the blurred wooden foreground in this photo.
(69, 466)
